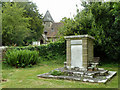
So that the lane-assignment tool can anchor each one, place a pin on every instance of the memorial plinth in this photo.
(80, 65)
(79, 51)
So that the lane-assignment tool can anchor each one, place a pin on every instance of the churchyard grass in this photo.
(27, 77)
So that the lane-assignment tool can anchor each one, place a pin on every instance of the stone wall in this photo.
(47, 25)
(2, 52)
(85, 52)
(68, 56)
(90, 50)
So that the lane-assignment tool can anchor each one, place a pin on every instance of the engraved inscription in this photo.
(76, 56)
(76, 41)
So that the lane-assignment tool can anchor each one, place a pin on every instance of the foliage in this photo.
(67, 29)
(14, 25)
(100, 20)
(52, 50)
(56, 52)
(21, 58)
(22, 23)
(47, 52)
(36, 27)
(56, 73)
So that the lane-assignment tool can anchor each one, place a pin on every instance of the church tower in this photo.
(48, 20)
(50, 28)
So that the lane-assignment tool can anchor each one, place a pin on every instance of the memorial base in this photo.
(99, 76)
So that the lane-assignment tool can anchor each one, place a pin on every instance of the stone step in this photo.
(98, 79)
(87, 74)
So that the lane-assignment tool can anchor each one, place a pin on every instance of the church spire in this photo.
(48, 17)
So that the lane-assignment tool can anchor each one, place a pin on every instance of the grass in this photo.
(27, 77)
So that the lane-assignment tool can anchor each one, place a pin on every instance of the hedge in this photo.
(49, 51)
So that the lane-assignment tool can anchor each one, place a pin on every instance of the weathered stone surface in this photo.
(82, 76)
(76, 56)
(79, 36)
(60, 77)
(88, 76)
(77, 79)
(102, 73)
(100, 68)
(102, 81)
(111, 74)
(80, 65)
(79, 51)
(76, 42)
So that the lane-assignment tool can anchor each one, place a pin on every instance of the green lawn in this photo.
(27, 78)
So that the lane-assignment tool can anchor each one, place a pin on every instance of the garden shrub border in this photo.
(51, 51)
(21, 58)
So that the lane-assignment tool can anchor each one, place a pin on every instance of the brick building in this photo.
(50, 28)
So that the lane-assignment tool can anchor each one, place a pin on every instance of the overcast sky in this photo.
(58, 8)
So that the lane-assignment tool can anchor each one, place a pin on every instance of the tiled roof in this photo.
(48, 17)
(52, 32)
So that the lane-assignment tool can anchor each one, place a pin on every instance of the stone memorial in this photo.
(79, 51)
(80, 62)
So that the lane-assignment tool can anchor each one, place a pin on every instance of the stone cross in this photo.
(79, 51)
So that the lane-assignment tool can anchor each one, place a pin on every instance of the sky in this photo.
(58, 8)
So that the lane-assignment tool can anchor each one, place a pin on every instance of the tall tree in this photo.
(0, 24)
(14, 25)
(102, 21)
(36, 27)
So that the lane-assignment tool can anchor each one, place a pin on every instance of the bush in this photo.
(51, 51)
(21, 58)
(56, 73)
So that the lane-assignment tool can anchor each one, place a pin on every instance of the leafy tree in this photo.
(0, 25)
(36, 27)
(102, 21)
(67, 28)
(105, 30)
(14, 25)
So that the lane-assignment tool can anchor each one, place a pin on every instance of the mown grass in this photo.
(27, 77)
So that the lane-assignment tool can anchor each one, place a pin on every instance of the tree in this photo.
(36, 27)
(102, 21)
(14, 25)
(0, 25)
(67, 28)
(106, 29)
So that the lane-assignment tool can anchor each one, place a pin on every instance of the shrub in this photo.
(51, 51)
(56, 73)
(21, 58)
(55, 48)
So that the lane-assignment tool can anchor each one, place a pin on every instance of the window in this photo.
(52, 29)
